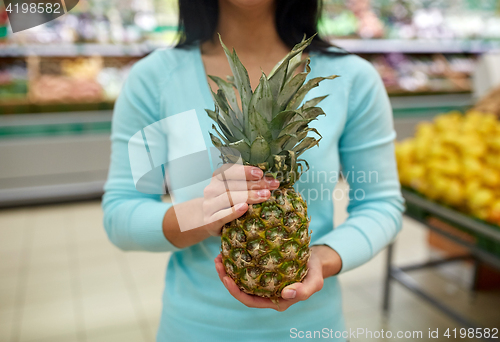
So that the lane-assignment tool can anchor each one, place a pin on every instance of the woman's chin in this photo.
(249, 3)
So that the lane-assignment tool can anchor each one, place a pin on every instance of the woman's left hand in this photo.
(323, 262)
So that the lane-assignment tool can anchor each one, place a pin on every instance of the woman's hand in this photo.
(324, 262)
(231, 189)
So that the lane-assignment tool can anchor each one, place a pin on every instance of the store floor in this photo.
(62, 281)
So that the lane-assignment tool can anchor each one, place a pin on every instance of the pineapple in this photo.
(268, 247)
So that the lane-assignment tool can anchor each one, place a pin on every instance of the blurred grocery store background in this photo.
(61, 280)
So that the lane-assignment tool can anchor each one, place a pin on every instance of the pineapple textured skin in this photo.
(268, 247)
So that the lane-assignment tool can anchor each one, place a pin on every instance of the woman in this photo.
(201, 304)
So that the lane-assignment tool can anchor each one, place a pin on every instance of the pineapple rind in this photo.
(268, 248)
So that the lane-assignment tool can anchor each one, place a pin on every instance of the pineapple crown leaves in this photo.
(270, 130)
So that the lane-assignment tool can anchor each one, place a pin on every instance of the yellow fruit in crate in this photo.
(454, 194)
(422, 149)
(471, 167)
(490, 177)
(404, 177)
(438, 150)
(471, 187)
(424, 187)
(451, 138)
(494, 214)
(456, 159)
(449, 167)
(481, 213)
(407, 172)
(481, 199)
(493, 160)
(494, 142)
(425, 130)
(438, 186)
(471, 122)
(415, 174)
(473, 146)
(404, 151)
(488, 124)
(431, 190)
(449, 121)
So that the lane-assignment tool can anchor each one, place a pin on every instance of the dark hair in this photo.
(294, 18)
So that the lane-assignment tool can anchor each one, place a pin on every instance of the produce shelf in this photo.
(55, 124)
(71, 50)
(426, 212)
(421, 208)
(417, 45)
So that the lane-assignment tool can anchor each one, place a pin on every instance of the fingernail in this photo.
(262, 193)
(256, 172)
(273, 182)
(288, 294)
(239, 206)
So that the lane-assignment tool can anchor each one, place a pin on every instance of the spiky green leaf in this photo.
(291, 87)
(259, 151)
(225, 110)
(241, 79)
(312, 113)
(224, 139)
(304, 145)
(292, 127)
(216, 141)
(278, 144)
(313, 102)
(231, 132)
(277, 77)
(212, 114)
(228, 92)
(294, 63)
(262, 99)
(242, 147)
(312, 83)
(257, 126)
(281, 120)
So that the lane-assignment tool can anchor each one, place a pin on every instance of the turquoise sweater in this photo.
(358, 137)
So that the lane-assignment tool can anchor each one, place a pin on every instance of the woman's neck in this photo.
(250, 31)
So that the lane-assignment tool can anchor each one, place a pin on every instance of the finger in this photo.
(225, 200)
(264, 183)
(248, 300)
(234, 290)
(311, 284)
(238, 172)
(220, 187)
(227, 215)
(219, 267)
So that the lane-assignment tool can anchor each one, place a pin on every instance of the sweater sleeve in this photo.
(366, 149)
(133, 220)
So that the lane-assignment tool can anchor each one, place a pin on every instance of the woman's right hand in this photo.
(231, 189)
